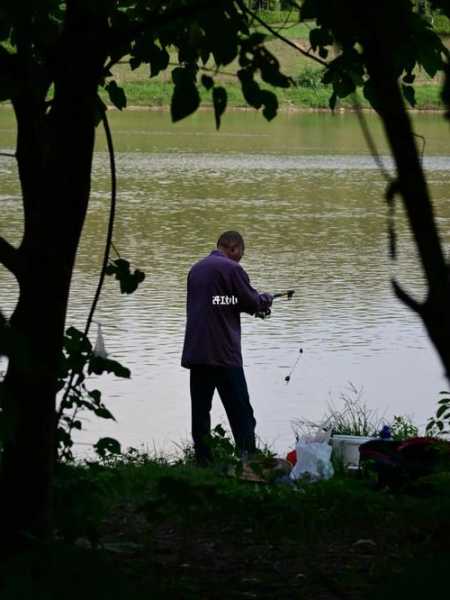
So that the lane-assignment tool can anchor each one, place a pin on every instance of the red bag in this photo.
(292, 457)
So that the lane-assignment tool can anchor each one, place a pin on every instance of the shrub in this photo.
(439, 425)
(403, 428)
(310, 78)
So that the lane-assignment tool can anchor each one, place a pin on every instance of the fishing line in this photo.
(288, 377)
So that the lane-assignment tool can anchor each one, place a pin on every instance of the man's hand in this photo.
(268, 297)
(263, 314)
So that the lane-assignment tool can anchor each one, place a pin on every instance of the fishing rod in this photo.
(264, 314)
(287, 294)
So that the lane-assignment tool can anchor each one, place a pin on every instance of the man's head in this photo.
(231, 243)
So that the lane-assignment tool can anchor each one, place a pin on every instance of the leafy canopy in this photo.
(353, 26)
(192, 33)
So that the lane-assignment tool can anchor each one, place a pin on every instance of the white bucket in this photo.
(346, 447)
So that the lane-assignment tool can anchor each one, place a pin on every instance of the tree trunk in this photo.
(435, 311)
(54, 153)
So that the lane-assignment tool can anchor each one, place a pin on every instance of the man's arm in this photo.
(250, 301)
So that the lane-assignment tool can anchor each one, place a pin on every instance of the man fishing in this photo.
(218, 290)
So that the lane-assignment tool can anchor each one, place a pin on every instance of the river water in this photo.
(308, 198)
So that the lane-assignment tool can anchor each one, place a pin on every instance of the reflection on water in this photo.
(308, 199)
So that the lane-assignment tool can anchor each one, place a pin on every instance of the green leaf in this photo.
(309, 10)
(99, 365)
(136, 278)
(256, 39)
(219, 430)
(250, 88)
(75, 342)
(219, 96)
(185, 97)
(343, 86)
(159, 60)
(441, 410)
(409, 78)
(103, 413)
(63, 437)
(128, 281)
(430, 54)
(119, 35)
(106, 446)
(96, 396)
(221, 35)
(409, 94)
(207, 82)
(270, 102)
(116, 95)
(320, 37)
(135, 63)
(270, 73)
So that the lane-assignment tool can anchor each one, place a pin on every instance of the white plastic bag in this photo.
(313, 458)
(99, 349)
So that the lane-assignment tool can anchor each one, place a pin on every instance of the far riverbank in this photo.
(156, 95)
(149, 94)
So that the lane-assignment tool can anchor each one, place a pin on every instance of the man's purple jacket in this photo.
(218, 290)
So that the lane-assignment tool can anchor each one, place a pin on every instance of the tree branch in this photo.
(112, 216)
(9, 256)
(369, 140)
(407, 299)
(278, 35)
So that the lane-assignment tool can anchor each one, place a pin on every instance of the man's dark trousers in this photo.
(232, 388)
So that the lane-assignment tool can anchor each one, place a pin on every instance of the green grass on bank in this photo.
(145, 528)
(153, 93)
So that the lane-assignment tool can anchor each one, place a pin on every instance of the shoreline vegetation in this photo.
(149, 95)
(139, 526)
